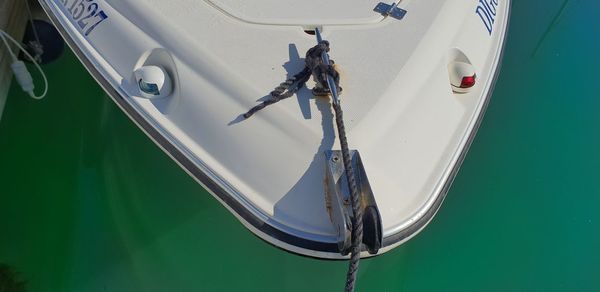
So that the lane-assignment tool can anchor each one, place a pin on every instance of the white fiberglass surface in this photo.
(291, 12)
(400, 111)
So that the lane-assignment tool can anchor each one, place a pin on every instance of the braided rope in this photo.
(291, 85)
(357, 222)
(314, 66)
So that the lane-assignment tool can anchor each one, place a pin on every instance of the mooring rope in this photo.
(314, 66)
(357, 222)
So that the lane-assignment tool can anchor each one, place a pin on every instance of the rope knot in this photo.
(313, 66)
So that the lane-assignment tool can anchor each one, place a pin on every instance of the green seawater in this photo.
(89, 203)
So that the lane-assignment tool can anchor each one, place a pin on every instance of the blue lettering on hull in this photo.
(486, 9)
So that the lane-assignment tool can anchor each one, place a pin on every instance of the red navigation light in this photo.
(468, 81)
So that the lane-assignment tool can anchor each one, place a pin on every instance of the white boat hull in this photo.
(401, 113)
